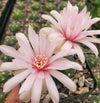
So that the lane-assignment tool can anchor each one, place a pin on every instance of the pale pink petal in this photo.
(9, 66)
(79, 52)
(24, 44)
(93, 21)
(63, 64)
(11, 83)
(72, 52)
(53, 21)
(92, 32)
(27, 85)
(10, 51)
(87, 33)
(36, 90)
(34, 39)
(84, 10)
(57, 16)
(52, 88)
(91, 46)
(20, 63)
(43, 43)
(25, 96)
(91, 39)
(67, 82)
(41, 74)
(64, 51)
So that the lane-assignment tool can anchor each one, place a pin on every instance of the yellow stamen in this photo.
(40, 61)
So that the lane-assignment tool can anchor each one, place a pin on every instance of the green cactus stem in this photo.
(6, 58)
(49, 7)
(63, 4)
(10, 40)
(34, 15)
(92, 60)
(17, 15)
(2, 97)
(4, 76)
(35, 6)
(20, 5)
(14, 27)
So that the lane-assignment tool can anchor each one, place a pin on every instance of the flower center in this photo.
(71, 30)
(40, 61)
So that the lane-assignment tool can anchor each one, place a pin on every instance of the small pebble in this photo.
(45, 100)
(62, 95)
(81, 81)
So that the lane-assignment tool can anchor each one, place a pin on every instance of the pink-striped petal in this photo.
(53, 21)
(63, 64)
(34, 39)
(91, 46)
(64, 80)
(52, 88)
(11, 83)
(25, 96)
(9, 66)
(36, 91)
(79, 52)
(27, 85)
(57, 16)
(21, 63)
(24, 44)
(10, 51)
(64, 51)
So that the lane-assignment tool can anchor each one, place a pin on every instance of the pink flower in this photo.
(72, 27)
(40, 65)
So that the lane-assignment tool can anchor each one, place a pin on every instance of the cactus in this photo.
(17, 14)
(95, 100)
(34, 15)
(50, 0)
(47, 24)
(0, 5)
(4, 76)
(14, 27)
(2, 97)
(81, 5)
(34, 26)
(6, 58)
(63, 4)
(49, 6)
(92, 60)
(10, 40)
(20, 5)
(35, 6)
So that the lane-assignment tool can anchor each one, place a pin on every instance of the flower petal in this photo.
(64, 80)
(10, 51)
(11, 83)
(53, 21)
(64, 51)
(36, 90)
(21, 63)
(94, 40)
(34, 39)
(24, 44)
(27, 85)
(79, 52)
(57, 16)
(91, 46)
(25, 96)
(9, 66)
(63, 64)
(52, 88)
